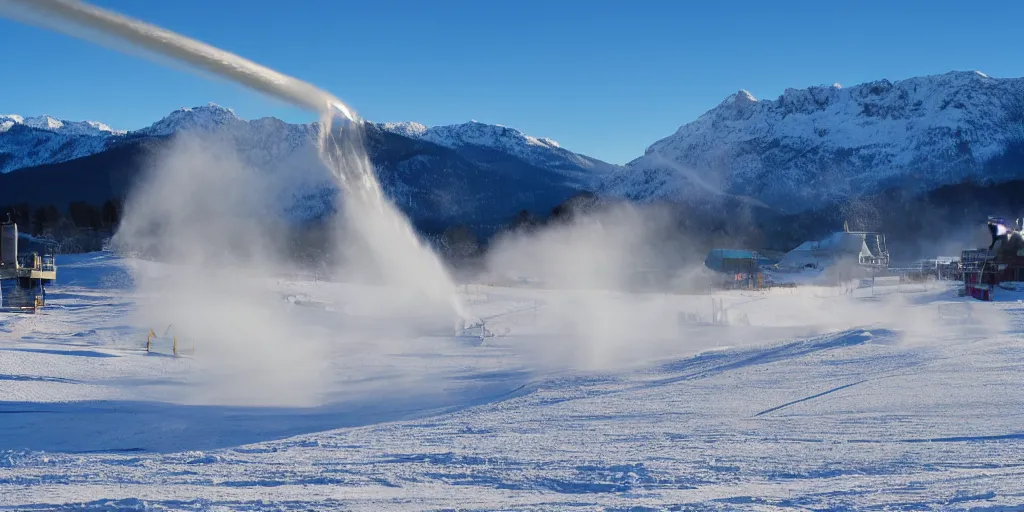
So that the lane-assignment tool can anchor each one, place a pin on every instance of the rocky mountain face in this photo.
(813, 147)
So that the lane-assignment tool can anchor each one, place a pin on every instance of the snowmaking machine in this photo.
(1000, 266)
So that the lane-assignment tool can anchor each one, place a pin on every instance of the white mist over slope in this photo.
(607, 272)
(595, 251)
(390, 237)
(593, 258)
(202, 211)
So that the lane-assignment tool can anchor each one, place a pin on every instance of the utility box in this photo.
(9, 245)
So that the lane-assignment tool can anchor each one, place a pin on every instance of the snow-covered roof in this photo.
(823, 251)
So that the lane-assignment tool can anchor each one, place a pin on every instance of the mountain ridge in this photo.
(482, 177)
(750, 166)
(824, 143)
(67, 140)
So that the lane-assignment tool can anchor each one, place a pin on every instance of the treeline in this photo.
(40, 220)
(79, 227)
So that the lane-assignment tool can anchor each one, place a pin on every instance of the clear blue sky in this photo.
(603, 78)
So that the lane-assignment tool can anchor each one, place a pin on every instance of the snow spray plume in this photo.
(593, 264)
(224, 285)
(396, 248)
(399, 256)
(201, 211)
(620, 294)
(66, 15)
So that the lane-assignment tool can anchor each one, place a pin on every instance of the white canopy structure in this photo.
(859, 248)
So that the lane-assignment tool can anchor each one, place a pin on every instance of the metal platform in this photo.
(30, 266)
(28, 273)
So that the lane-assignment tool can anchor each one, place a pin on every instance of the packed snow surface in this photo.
(891, 397)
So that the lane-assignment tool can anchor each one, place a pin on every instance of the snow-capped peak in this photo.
(548, 142)
(738, 100)
(7, 121)
(205, 117)
(745, 95)
(98, 126)
(52, 124)
(44, 122)
(472, 133)
(538, 151)
(405, 128)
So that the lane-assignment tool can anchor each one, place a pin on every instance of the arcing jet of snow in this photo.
(71, 17)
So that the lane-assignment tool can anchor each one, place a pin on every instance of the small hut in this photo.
(735, 268)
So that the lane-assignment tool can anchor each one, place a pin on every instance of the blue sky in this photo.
(603, 78)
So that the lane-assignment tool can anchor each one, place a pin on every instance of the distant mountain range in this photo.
(814, 146)
(473, 173)
(812, 157)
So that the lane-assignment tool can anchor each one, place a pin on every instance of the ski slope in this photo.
(584, 400)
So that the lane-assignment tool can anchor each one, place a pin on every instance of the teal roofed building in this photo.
(732, 261)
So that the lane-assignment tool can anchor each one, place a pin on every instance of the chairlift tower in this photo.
(876, 244)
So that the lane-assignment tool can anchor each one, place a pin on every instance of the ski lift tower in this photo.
(22, 279)
(876, 256)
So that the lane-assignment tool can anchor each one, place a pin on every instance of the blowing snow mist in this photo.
(403, 259)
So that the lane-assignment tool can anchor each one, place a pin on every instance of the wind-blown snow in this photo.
(814, 145)
(872, 403)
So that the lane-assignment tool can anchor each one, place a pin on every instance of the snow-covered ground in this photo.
(891, 398)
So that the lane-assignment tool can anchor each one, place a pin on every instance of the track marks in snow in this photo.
(970, 439)
(75, 353)
(812, 397)
(933, 427)
(709, 364)
(37, 378)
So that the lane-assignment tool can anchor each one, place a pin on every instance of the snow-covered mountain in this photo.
(284, 152)
(817, 145)
(542, 152)
(31, 141)
(473, 173)
(270, 137)
(50, 123)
